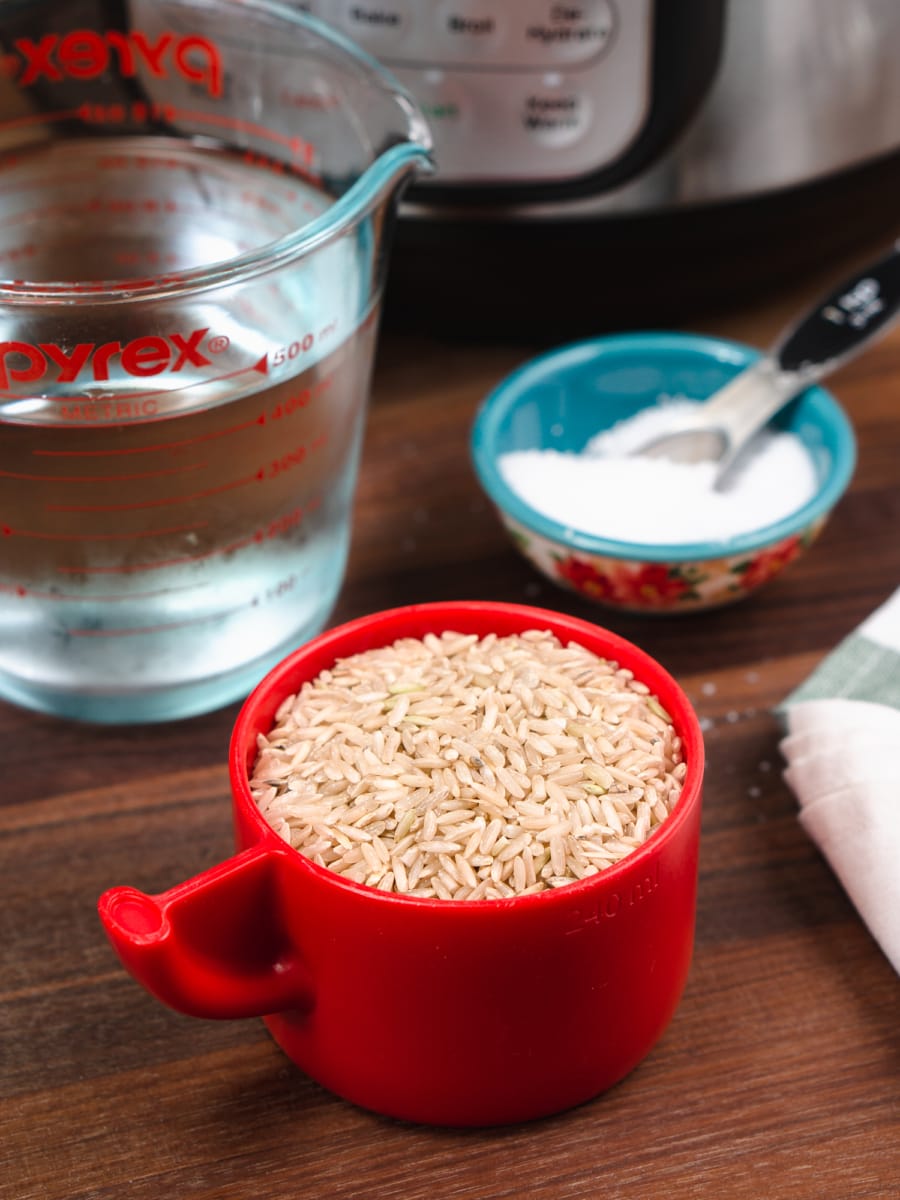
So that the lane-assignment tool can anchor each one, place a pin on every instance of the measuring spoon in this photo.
(833, 331)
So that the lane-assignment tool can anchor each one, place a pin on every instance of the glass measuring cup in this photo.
(195, 198)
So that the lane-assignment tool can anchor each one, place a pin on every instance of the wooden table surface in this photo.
(780, 1073)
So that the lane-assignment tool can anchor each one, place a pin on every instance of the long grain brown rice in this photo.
(468, 767)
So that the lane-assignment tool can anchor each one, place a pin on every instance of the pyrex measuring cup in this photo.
(194, 202)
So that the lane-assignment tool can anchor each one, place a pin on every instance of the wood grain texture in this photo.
(780, 1073)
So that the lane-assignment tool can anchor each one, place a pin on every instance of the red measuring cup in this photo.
(440, 1011)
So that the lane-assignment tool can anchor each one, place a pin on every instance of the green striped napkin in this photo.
(841, 748)
(864, 666)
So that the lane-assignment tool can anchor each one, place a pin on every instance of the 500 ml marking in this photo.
(302, 345)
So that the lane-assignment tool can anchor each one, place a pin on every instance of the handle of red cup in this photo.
(214, 945)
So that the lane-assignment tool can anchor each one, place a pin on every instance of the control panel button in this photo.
(469, 29)
(567, 31)
(555, 114)
(382, 25)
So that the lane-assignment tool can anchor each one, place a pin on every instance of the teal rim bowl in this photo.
(562, 398)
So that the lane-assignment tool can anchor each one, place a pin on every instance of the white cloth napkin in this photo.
(842, 749)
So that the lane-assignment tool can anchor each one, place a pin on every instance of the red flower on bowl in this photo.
(584, 577)
(653, 585)
(769, 563)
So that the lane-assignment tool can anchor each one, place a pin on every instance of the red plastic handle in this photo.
(213, 946)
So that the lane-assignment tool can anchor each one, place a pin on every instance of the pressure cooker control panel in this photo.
(536, 90)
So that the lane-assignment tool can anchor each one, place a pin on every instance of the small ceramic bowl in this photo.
(563, 398)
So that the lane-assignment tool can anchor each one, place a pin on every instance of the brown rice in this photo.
(469, 768)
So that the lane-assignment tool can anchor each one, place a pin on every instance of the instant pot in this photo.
(604, 163)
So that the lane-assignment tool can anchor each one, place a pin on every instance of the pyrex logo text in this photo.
(23, 362)
(86, 53)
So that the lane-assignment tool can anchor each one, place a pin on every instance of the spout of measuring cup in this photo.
(213, 946)
(399, 165)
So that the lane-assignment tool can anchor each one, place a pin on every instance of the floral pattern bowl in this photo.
(563, 398)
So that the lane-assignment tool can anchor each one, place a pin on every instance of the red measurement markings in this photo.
(152, 163)
(137, 111)
(59, 208)
(124, 206)
(293, 403)
(8, 162)
(10, 531)
(163, 471)
(41, 118)
(121, 452)
(302, 150)
(135, 567)
(142, 162)
(89, 414)
(79, 598)
(159, 502)
(134, 258)
(300, 400)
(274, 529)
(12, 254)
(145, 629)
(128, 206)
(271, 470)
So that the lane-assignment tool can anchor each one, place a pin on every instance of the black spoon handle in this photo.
(842, 322)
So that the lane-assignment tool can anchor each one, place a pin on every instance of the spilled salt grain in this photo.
(605, 492)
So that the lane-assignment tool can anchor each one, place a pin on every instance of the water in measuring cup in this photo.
(166, 535)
